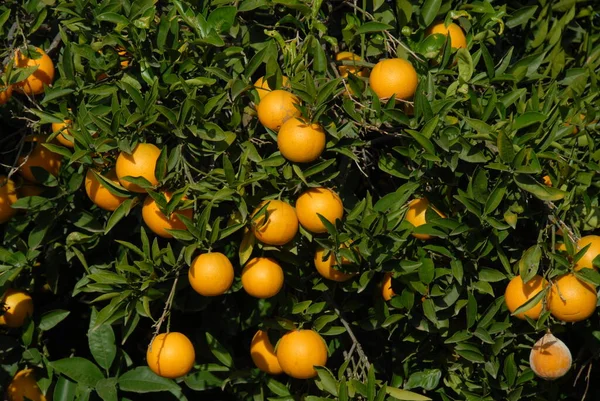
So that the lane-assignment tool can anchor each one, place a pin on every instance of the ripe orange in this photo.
(158, 222)
(386, 287)
(299, 351)
(262, 277)
(547, 180)
(24, 385)
(99, 194)
(263, 89)
(394, 77)
(278, 225)
(8, 196)
(263, 354)
(550, 358)
(34, 84)
(518, 292)
(322, 201)
(5, 94)
(64, 128)
(211, 274)
(27, 189)
(457, 36)
(589, 256)
(39, 157)
(326, 268)
(171, 355)
(416, 215)
(578, 299)
(300, 141)
(350, 69)
(140, 163)
(18, 306)
(276, 108)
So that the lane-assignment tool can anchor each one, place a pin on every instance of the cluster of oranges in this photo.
(569, 299)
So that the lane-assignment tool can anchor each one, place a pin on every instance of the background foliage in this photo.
(485, 129)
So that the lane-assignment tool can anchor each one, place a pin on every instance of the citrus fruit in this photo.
(394, 77)
(18, 306)
(39, 157)
(63, 127)
(300, 141)
(171, 355)
(278, 225)
(416, 215)
(457, 36)
(263, 354)
(350, 69)
(27, 189)
(8, 196)
(158, 222)
(34, 84)
(23, 386)
(316, 201)
(326, 268)
(517, 293)
(140, 163)
(211, 274)
(5, 94)
(582, 119)
(386, 287)
(587, 259)
(263, 89)
(262, 277)
(99, 194)
(276, 108)
(550, 358)
(547, 180)
(571, 300)
(299, 351)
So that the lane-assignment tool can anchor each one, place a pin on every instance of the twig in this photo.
(54, 45)
(166, 310)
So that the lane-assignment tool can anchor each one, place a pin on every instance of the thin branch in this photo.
(166, 310)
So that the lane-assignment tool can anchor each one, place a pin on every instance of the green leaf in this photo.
(373, 26)
(405, 395)
(505, 147)
(218, 350)
(102, 342)
(529, 184)
(79, 370)
(143, 380)
(327, 381)
(430, 10)
(52, 318)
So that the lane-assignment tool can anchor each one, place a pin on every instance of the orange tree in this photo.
(443, 149)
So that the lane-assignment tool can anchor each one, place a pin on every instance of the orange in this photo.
(18, 306)
(211, 274)
(386, 287)
(326, 267)
(34, 84)
(64, 128)
(457, 36)
(8, 196)
(300, 141)
(158, 222)
(321, 201)
(140, 163)
(276, 108)
(39, 157)
(262, 277)
(589, 256)
(99, 194)
(24, 385)
(263, 89)
(394, 77)
(350, 69)
(582, 118)
(5, 94)
(550, 358)
(299, 351)
(571, 300)
(547, 180)
(278, 225)
(263, 354)
(171, 355)
(416, 215)
(27, 189)
(518, 292)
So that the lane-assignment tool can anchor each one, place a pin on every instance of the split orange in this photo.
(140, 163)
(316, 201)
(18, 307)
(24, 386)
(299, 351)
(211, 274)
(158, 222)
(550, 358)
(572, 300)
(300, 141)
(263, 89)
(99, 194)
(8, 196)
(457, 36)
(394, 77)
(276, 108)
(518, 292)
(262, 277)
(263, 355)
(171, 355)
(326, 268)
(278, 225)
(44, 75)
(39, 156)
(416, 215)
